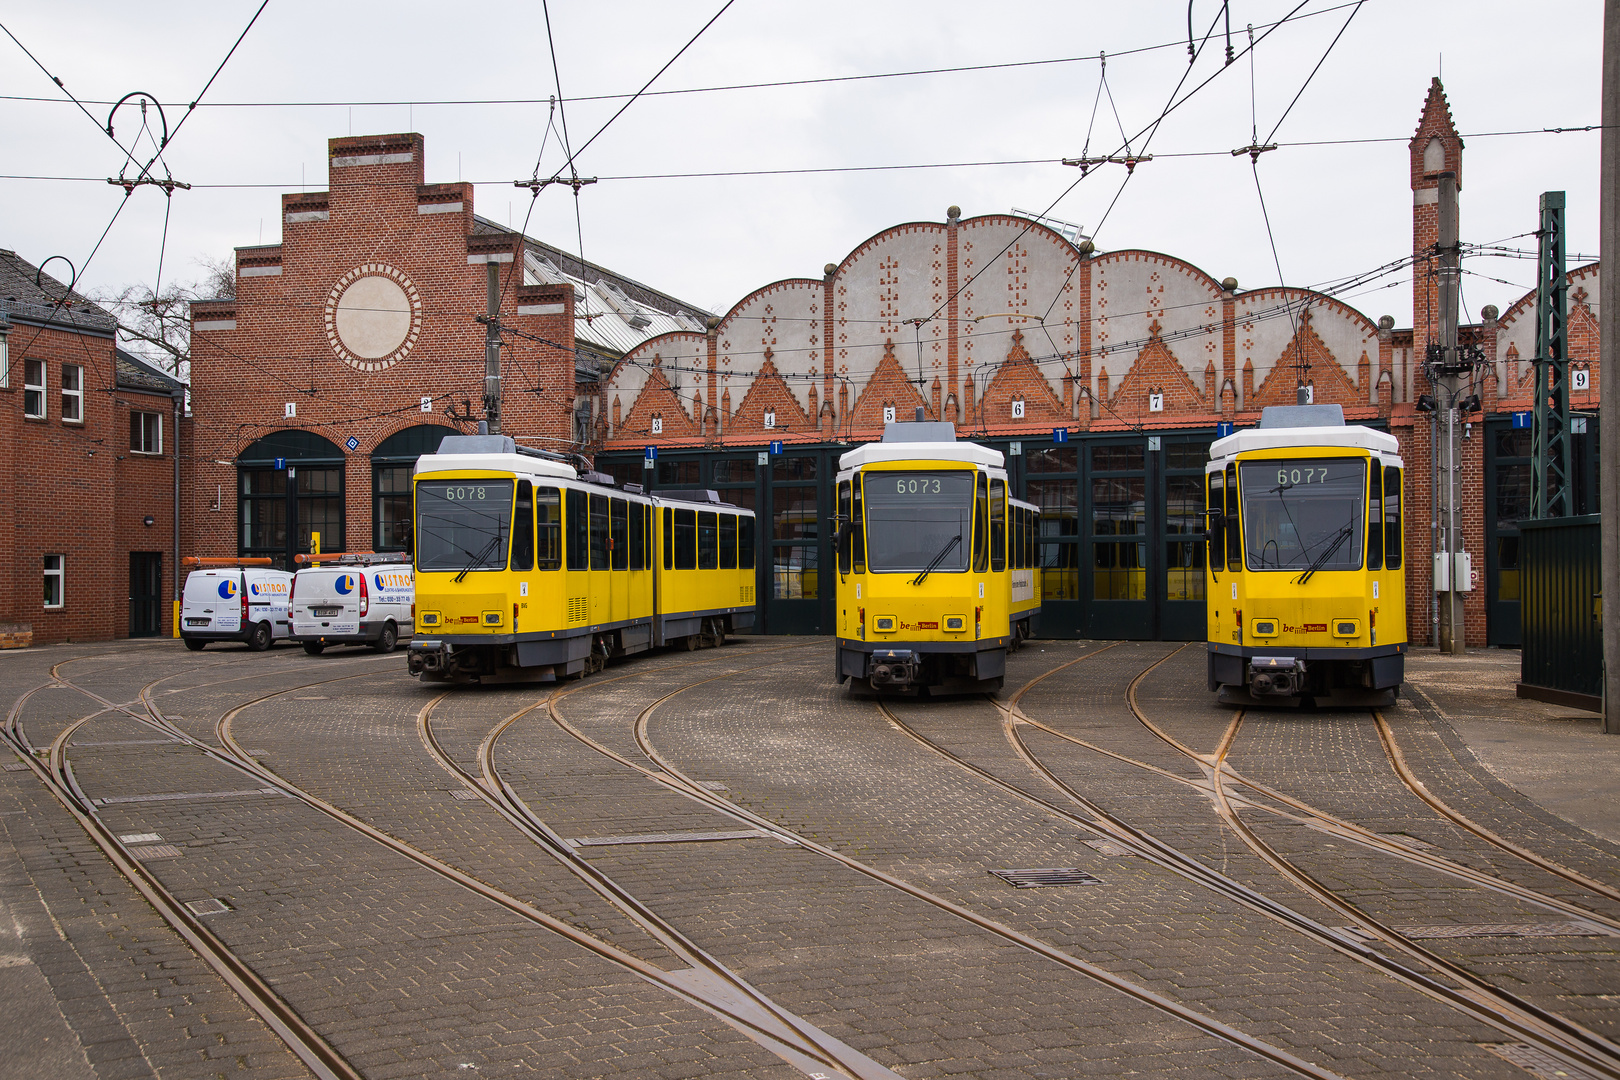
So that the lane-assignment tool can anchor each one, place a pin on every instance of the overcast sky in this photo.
(1335, 210)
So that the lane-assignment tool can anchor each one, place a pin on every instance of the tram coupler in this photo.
(427, 657)
(1276, 676)
(896, 668)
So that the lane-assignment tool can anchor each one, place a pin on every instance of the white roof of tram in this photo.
(921, 441)
(1285, 426)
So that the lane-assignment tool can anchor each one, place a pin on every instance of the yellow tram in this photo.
(529, 570)
(1307, 595)
(938, 574)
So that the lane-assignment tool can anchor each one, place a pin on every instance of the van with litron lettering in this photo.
(358, 598)
(234, 600)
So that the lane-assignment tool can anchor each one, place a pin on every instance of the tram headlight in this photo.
(1346, 628)
(955, 623)
(1263, 628)
(884, 624)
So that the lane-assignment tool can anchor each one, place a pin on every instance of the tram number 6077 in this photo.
(1290, 477)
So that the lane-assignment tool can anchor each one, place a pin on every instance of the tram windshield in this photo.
(462, 524)
(1303, 513)
(914, 518)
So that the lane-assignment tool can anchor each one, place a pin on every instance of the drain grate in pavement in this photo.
(464, 794)
(1537, 1062)
(665, 838)
(1490, 930)
(15, 766)
(712, 785)
(156, 851)
(209, 906)
(130, 742)
(1046, 877)
(139, 838)
(1110, 847)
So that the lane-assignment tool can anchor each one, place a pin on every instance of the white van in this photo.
(356, 601)
(235, 603)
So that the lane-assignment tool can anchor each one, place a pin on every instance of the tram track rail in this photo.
(670, 776)
(1566, 1041)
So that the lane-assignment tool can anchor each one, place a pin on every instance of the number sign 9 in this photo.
(917, 486)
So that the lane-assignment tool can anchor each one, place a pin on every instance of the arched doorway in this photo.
(289, 484)
(391, 465)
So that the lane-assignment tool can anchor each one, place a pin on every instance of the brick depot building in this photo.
(354, 346)
(88, 482)
(1101, 375)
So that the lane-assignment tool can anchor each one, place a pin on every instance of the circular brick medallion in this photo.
(373, 317)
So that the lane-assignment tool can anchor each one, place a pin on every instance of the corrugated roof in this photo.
(612, 313)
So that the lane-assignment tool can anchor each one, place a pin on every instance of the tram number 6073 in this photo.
(917, 486)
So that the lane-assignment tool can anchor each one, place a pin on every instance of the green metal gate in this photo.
(1562, 611)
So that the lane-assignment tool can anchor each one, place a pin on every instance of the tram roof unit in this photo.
(909, 440)
(1282, 426)
(499, 453)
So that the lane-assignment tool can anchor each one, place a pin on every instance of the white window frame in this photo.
(74, 397)
(5, 361)
(133, 448)
(35, 388)
(59, 572)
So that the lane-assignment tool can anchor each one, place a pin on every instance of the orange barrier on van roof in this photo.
(202, 560)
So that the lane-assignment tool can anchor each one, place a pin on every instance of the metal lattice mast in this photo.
(1549, 436)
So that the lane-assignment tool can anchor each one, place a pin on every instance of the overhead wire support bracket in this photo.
(536, 186)
(1254, 150)
(1130, 161)
(129, 185)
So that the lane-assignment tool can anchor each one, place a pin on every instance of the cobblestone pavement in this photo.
(408, 973)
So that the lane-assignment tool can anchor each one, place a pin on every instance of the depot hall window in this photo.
(145, 433)
(53, 580)
(34, 388)
(72, 394)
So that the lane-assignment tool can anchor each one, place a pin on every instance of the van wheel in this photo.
(195, 644)
(387, 640)
(260, 639)
(314, 648)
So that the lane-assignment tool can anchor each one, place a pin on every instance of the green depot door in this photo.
(797, 499)
(1179, 583)
(1115, 541)
(1052, 482)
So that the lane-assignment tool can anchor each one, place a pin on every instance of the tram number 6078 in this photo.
(464, 494)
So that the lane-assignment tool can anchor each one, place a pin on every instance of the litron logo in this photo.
(227, 589)
(345, 584)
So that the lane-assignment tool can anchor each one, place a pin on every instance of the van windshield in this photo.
(462, 524)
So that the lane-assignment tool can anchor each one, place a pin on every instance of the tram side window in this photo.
(998, 526)
(523, 527)
(728, 541)
(579, 530)
(620, 534)
(708, 529)
(1392, 518)
(980, 527)
(1234, 533)
(1217, 527)
(1375, 516)
(548, 528)
(638, 536)
(599, 532)
(1034, 531)
(845, 537)
(648, 511)
(745, 543)
(857, 539)
(669, 539)
(686, 539)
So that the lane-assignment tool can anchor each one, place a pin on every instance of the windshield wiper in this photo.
(1317, 563)
(944, 551)
(483, 553)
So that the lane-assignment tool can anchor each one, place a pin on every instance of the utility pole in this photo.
(492, 351)
(1550, 495)
(1453, 634)
(1609, 351)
